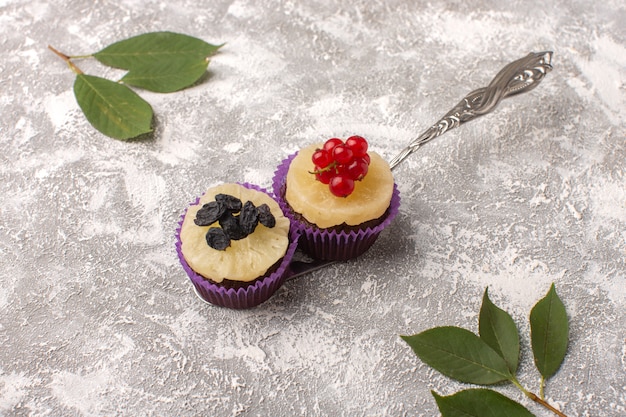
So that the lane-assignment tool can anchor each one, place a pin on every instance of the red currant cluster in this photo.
(339, 164)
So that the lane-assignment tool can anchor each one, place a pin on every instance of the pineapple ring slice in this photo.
(314, 201)
(246, 259)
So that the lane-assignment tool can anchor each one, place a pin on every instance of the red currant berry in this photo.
(321, 158)
(367, 159)
(330, 144)
(342, 154)
(323, 176)
(340, 169)
(341, 186)
(358, 145)
(357, 169)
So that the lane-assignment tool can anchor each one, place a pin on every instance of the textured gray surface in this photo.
(97, 316)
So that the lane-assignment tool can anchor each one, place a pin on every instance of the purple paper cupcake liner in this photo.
(329, 244)
(245, 297)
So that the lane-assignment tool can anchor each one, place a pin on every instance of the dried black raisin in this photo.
(217, 238)
(232, 204)
(249, 217)
(266, 218)
(209, 213)
(231, 226)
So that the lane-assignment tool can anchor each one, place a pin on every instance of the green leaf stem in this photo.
(479, 403)
(112, 108)
(497, 328)
(162, 62)
(459, 354)
(549, 332)
(493, 357)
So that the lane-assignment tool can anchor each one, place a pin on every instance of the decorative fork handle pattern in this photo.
(515, 78)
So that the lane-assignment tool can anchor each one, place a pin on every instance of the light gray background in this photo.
(97, 318)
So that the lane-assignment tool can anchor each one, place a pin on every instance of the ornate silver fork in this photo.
(515, 78)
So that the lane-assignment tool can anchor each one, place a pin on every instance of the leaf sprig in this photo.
(161, 62)
(493, 356)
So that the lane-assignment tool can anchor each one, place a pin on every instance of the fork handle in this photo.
(515, 78)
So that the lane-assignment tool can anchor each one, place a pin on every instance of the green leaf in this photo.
(479, 403)
(497, 328)
(459, 354)
(154, 48)
(159, 61)
(112, 108)
(549, 333)
(167, 76)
